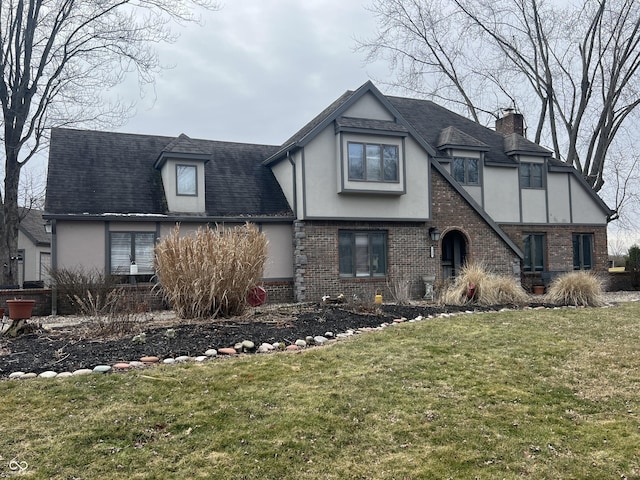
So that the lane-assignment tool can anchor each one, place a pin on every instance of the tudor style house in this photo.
(375, 191)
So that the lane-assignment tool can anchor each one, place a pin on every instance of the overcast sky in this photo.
(257, 70)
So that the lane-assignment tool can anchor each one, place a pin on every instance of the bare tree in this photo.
(574, 69)
(57, 57)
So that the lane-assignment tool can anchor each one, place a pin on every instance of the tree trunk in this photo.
(10, 219)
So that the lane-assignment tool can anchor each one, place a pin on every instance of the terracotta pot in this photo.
(538, 289)
(20, 309)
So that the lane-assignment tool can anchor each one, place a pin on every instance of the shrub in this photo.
(580, 288)
(210, 273)
(633, 265)
(399, 287)
(82, 288)
(489, 288)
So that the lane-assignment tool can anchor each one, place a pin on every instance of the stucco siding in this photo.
(369, 107)
(474, 192)
(501, 196)
(558, 194)
(80, 245)
(321, 185)
(279, 251)
(284, 173)
(584, 208)
(534, 205)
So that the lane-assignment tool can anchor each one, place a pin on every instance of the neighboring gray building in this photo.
(34, 248)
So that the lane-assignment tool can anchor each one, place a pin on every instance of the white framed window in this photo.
(186, 180)
(129, 247)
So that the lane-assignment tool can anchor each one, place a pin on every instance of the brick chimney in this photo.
(510, 122)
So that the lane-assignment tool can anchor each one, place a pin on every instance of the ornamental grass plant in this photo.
(477, 285)
(580, 288)
(209, 273)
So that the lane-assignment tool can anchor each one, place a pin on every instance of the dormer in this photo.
(465, 153)
(181, 165)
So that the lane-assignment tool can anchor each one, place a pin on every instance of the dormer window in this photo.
(465, 170)
(182, 166)
(186, 180)
(373, 162)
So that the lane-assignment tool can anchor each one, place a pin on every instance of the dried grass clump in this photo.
(579, 288)
(85, 291)
(490, 289)
(209, 274)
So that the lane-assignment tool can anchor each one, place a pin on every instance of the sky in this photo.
(256, 71)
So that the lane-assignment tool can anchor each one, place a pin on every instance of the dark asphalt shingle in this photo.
(92, 172)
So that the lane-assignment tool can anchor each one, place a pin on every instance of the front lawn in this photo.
(536, 394)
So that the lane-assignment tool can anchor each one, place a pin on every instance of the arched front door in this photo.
(454, 253)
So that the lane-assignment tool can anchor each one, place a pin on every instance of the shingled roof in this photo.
(102, 173)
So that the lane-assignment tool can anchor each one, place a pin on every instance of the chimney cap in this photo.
(508, 111)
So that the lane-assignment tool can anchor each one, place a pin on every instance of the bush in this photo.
(489, 288)
(81, 288)
(210, 273)
(580, 288)
(633, 265)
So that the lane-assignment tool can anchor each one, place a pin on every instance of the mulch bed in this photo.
(74, 347)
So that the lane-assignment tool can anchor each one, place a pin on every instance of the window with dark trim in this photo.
(531, 175)
(128, 247)
(187, 180)
(582, 251)
(371, 162)
(362, 253)
(533, 246)
(465, 170)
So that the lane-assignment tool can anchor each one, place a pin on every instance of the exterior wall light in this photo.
(434, 233)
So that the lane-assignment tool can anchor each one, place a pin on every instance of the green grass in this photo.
(536, 394)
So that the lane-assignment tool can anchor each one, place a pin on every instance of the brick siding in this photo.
(559, 246)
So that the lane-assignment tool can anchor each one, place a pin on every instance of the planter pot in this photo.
(538, 289)
(20, 309)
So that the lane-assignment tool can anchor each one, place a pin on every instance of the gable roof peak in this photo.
(184, 148)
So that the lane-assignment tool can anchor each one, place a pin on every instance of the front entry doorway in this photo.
(454, 253)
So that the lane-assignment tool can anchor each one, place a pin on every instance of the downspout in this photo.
(54, 267)
(295, 189)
